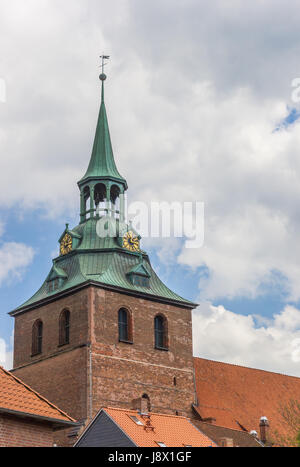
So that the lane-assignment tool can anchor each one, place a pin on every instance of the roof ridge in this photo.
(149, 413)
(247, 367)
(8, 373)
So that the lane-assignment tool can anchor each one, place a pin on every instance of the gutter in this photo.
(57, 423)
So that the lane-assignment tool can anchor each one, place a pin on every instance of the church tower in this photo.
(103, 330)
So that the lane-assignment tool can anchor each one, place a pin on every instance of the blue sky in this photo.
(191, 119)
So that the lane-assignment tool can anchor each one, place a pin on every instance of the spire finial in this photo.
(103, 75)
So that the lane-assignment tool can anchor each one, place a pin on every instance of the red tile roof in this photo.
(237, 397)
(171, 430)
(15, 396)
(215, 415)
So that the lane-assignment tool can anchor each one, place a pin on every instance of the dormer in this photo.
(56, 278)
(139, 276)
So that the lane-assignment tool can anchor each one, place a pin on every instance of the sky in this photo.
(201, 104)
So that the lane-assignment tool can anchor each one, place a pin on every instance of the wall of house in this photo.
(18, 432)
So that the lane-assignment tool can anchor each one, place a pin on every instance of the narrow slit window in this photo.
(64, 328)
(37, 338)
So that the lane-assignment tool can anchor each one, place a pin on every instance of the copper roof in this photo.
(103, 263)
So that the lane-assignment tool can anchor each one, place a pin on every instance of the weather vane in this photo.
(104, 58)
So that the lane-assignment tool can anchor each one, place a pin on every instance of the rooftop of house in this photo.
(154, 430)
(241, 439)
(16, 398)
(237, 397)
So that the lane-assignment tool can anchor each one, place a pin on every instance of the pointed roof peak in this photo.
(102, 163)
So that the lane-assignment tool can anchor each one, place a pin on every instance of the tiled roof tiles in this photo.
(173, 431)
(233, 395)
(16, 396)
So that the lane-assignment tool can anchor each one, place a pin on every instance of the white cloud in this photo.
(248, 179)
(222, 335)
(8, 364)
(2, 352)
(192, 113)
(6, 357)
(14, 258)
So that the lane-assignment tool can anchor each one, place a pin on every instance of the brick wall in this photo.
(59, 373)
(18, 432)
(62, 379)
(122, 372)
(49, 314)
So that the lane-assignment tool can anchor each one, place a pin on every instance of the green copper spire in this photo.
(89, 259)
(102, 188)
(102, 165)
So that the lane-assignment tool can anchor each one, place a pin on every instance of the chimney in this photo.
(144, 405)
(264, 428)
(226, 443)
(141, 404)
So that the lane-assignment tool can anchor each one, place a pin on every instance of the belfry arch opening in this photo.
(115, 199)
(100, 198)
(86, 198)
(114, 193)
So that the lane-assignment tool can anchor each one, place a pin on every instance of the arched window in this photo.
(37, 338)
(100, 196)
(161, 333)
(114, 193)
(64, 328)
(125, 333)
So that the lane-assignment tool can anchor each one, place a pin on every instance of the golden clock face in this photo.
(66, 245)
(131, 242)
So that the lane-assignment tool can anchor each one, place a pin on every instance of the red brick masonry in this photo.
(17, 432)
